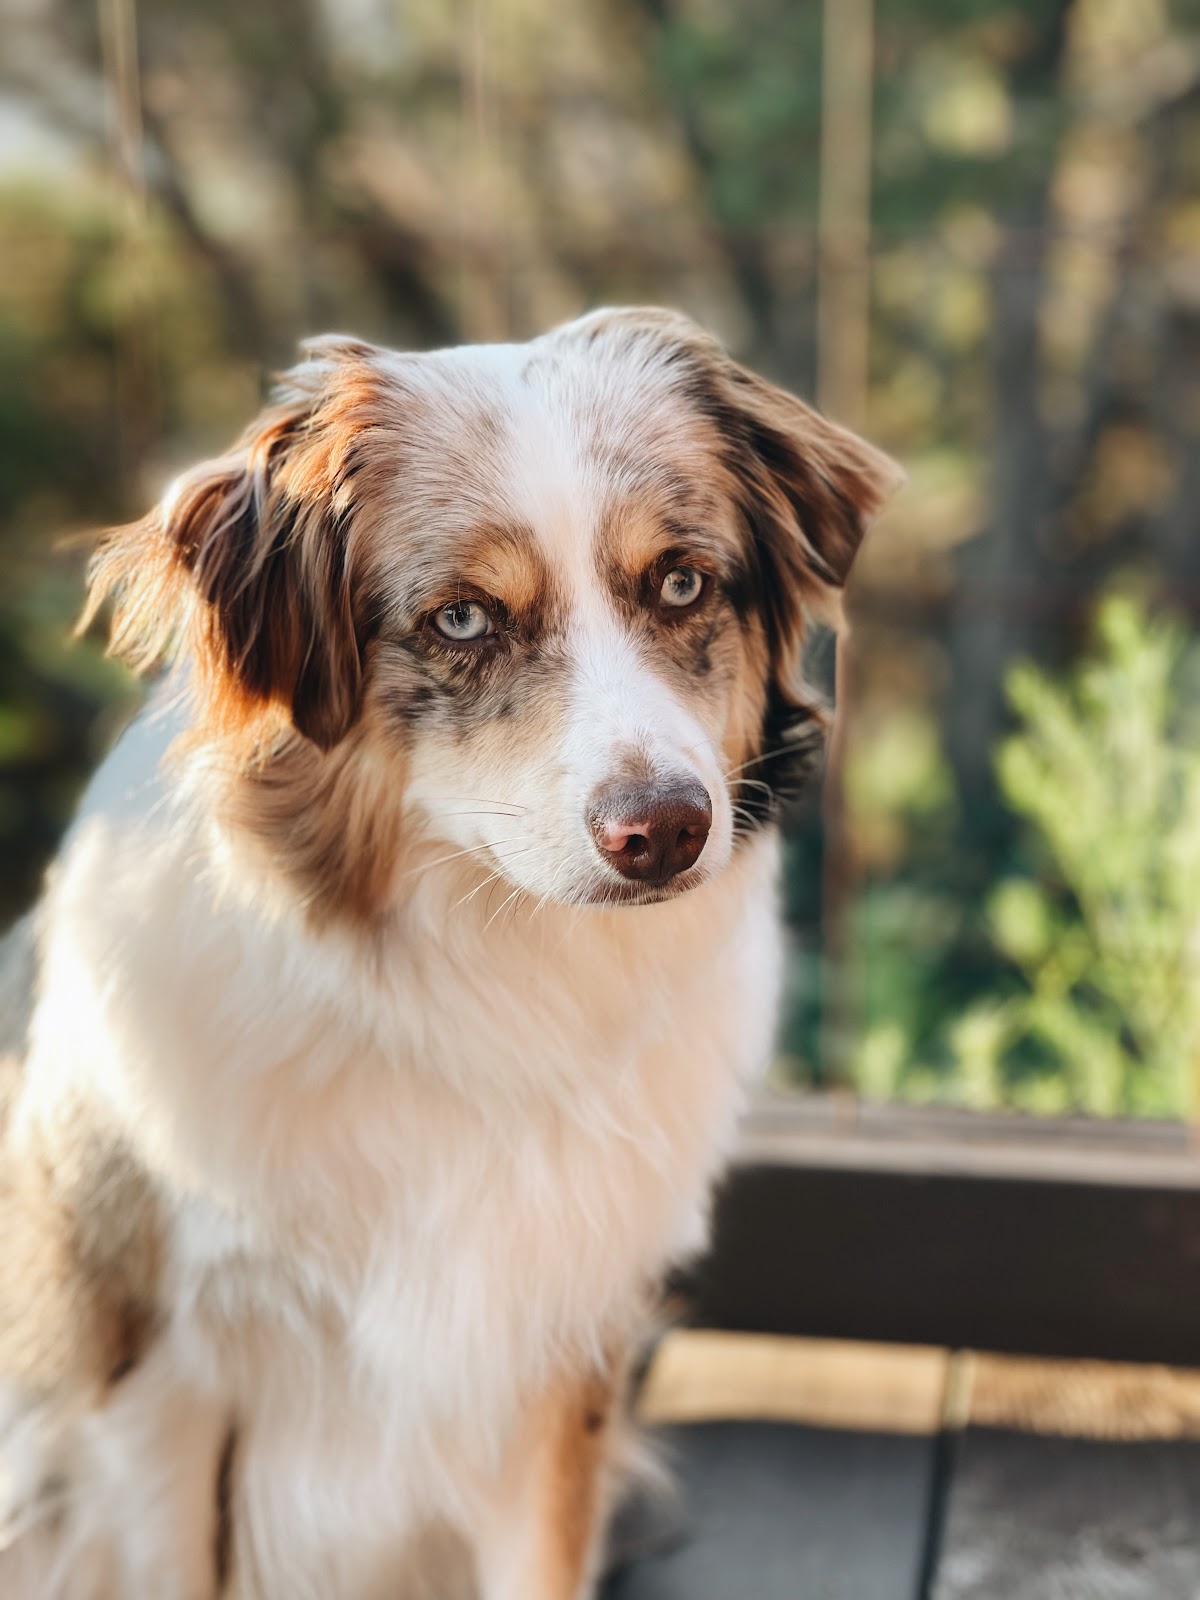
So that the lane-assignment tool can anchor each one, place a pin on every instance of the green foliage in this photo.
(1076, 984)
(748, 108)
(1105, 933)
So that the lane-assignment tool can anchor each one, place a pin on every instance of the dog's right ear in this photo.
(249, 562)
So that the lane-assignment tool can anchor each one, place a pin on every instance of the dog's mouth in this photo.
(601, 892)
(644, 893)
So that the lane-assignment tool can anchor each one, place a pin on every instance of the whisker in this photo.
(501, 907)
(797, 747)
(492, 878)
(512, 915)
(554, 882)
(482, 800)
(455, 855)
(440, 814)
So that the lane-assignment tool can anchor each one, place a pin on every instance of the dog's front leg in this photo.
(542, 1529)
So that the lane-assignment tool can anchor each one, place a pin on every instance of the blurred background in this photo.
(969, 227)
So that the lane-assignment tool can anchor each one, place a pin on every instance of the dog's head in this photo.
(545, 600)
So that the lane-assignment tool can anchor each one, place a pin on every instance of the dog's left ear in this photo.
(813, 488)
(808, 491)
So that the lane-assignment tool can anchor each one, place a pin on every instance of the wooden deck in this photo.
(825, 1470)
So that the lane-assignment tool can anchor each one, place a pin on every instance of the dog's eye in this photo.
(682, 586)
(463, 621)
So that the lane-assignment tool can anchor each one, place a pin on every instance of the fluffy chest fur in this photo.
(478, 1071)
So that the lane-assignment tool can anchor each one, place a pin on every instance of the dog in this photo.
(386, 1018)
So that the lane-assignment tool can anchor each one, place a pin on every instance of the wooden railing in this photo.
(1029, 1235)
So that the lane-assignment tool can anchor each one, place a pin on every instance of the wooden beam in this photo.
(1067, 1241)
(706, 1375)
(844, 220)
(703, 1375)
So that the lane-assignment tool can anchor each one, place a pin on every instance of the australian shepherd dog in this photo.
(386, 1017)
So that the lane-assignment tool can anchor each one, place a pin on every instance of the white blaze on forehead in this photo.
(549, 479)
(621, 706)
(556, 482)
(553, 487)
(561, 461)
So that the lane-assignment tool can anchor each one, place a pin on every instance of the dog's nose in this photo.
(651, 832)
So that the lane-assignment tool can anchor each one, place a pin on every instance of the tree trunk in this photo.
(1006, 592)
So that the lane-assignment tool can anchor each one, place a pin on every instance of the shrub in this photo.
(1104, 929)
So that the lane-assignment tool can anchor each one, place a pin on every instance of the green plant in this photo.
(1104, 931)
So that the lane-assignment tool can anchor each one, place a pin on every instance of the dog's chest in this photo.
(490, 1187)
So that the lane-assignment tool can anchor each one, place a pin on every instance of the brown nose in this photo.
(651, 832)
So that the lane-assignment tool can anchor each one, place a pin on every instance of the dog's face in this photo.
(548, 599)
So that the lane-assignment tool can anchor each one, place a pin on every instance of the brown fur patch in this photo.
(573, 1487)
(81, 1260)
(504, 565)
(223, 1512)
(564, 1476)
(327, 823)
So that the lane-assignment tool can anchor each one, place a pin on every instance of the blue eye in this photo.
(463, 621)
(682, 586)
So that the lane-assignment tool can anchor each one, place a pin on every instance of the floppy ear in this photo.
(807, 488)
(808, 491)
(249, 562)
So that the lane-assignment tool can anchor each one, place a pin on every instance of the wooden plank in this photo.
(1083, 1399)
(701, 1375)
(902, 1238)
(836, 1131)
(1038, 1518)
(775, 1512)
(705, 1376)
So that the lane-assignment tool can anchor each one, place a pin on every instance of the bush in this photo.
(1104, 930)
